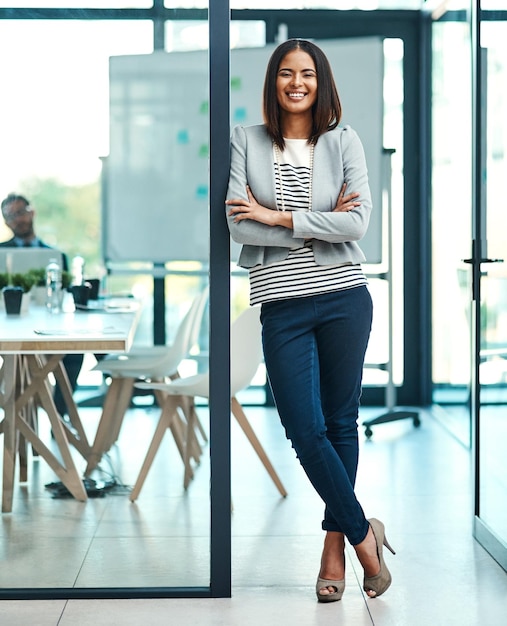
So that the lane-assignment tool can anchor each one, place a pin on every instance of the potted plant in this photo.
(4, 280)
(12, 294)
(38, 276)
(24, 282)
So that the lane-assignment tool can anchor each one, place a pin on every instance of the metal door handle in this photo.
(483, 260)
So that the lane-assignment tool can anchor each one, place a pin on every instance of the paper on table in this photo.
(105, 309)
(109, 330)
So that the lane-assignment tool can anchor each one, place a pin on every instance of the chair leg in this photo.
(189, 400)
(115, 404)
(122, 405)
(190, 451)
(192, 447)
(239, 414)
(164, 422)
(200, 428)
(180, 431)
(177, 428)
(187, 406)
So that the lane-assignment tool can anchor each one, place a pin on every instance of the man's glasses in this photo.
(14, 215)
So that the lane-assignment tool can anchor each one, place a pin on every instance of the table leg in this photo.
(30, 417)
(39, 386)
(80, 442)
(9, 429)
(66, 471)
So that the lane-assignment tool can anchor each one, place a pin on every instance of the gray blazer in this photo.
(338, 157)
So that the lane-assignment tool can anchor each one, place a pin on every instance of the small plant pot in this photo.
(94, 287)
(12, 300)
(81, 294)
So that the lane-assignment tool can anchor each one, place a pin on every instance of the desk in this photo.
(32, 346)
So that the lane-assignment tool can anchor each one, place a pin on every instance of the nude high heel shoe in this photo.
(334, 596)
(381, 581)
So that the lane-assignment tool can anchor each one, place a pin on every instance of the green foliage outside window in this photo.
(68, 218)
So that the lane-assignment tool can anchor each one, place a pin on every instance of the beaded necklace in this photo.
(280, 177)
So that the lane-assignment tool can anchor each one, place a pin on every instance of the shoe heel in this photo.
(381, 581)
(388, 545)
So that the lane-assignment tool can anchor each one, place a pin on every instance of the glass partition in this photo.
(74, 120)
(451, 224)
(61, 124)
(491, 425)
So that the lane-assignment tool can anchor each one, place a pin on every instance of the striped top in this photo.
(298, 275)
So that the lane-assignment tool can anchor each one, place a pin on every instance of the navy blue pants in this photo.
(314, 351)
(72, 364)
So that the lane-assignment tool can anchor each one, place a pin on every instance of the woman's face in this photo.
(296, 82)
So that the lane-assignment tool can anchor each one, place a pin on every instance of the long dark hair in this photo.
(327, 110)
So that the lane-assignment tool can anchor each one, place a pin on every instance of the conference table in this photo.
(32, 346)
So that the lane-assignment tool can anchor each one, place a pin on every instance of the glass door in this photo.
(490, 281)
(451, 203)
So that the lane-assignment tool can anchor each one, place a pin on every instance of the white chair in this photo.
(246, 355)
(156, 363)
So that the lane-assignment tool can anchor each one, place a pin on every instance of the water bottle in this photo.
(77, 270)
(53, 286)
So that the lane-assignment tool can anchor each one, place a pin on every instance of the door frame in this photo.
(489, 540)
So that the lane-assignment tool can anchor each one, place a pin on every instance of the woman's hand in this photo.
(251, 210)
(346, 203)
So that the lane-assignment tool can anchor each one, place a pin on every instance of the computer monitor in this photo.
(24, 259)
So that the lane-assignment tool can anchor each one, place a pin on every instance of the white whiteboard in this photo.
(156, 176)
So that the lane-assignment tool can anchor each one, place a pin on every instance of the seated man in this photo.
(19, 215)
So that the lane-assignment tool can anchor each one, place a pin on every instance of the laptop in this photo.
(24, 259)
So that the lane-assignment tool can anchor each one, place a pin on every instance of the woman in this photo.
(287, 205)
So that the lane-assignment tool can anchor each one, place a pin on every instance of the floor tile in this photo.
(417, 480)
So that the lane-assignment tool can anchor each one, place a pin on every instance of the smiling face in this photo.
(296, 83)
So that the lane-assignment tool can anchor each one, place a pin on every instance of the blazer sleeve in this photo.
(339, 227)
(251, 164)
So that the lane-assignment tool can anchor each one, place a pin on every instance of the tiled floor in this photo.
(418, 481)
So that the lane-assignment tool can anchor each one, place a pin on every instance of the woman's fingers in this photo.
(238, 205)
(237, 202)
(241, 202)
(350, 197)
(346, 202)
